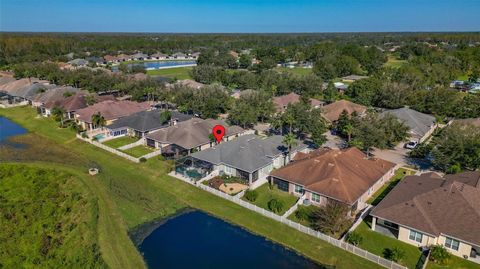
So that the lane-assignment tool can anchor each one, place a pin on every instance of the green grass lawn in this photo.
(454, 263)
(174, 73)
(376, 243)
(393, 62)
(121, 141)
(265, 194)
(131, 194)
(296, 70)
(388, 186)
(138, 151)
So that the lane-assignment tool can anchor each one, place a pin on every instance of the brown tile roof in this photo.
(436, 205)
(344, 175)
(55, 94)
(332, 111)
(76, 101)
(191, 133)
(111, 110)
(281, 102)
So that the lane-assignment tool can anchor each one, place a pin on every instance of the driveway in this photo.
(333, 141)
(397, 155)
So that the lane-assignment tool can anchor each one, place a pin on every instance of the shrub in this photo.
(302, 213)
(142, 160)
(251, 195)
(84, 135)
(275, 205)
(354, 238)
(439, 254)
(394, 254)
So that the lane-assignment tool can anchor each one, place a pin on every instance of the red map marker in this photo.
(218, 132)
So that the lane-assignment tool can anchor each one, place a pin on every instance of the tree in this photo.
(59, 114)
(395, 254)
(439, 254)
(165, 116)
(245, 61)
(98, 120)
(333, 218)
(289, 141)
(330, 94)
(354, 238)
(275, 205)
(251, 195)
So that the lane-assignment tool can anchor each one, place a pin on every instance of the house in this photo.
(281, 102)
(192, 135)
(110, 59)
(123, 58)
(195, 55)
(428, 209)
(78, 62)
(346, 176)
(236, 94)
(23, 91)
(340, 86)
(96, 60)
(190, 83)
(179, 56)
(139, 57)
(158, 56)
(421, 125)
(332, 111)
(247, 157)
(109, 110)
(52, 97)
(71, 103)
(144, 122)
(353, 78)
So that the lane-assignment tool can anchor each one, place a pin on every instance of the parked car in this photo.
(411, 145)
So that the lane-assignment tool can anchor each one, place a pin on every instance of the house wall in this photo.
(464, 248)
(377, 185)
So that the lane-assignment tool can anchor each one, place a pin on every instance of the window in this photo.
(229, 170)
(282, 185)
(298, 189)
(315, 198)
(415, 236)
(452, 243)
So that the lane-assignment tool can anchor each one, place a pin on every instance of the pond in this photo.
(198, 240)
(9, 128)
(150, 65)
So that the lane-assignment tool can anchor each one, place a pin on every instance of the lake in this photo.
(150, 65)
(198, 240)
(9, 128)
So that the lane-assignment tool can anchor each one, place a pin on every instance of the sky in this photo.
(246, 16)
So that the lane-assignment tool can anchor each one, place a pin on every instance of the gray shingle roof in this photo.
(418, 122)
(248, 153)
(147, 120)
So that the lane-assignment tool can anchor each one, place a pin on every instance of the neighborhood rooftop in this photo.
(281, 102)
(419, 123)
(247, 153)
(332, 111)
(436, 205)
(191, 133)
(144, 121)
(343, 175)
(111, 109)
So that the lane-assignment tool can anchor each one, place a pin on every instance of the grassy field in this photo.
(121, 141)
(49, 219)
(138, 151)
(309, 210)
(376, 243)
(387, 187)
(131, 194)
(174, 73)
(393, 62)
(296, 70)
(265, 194)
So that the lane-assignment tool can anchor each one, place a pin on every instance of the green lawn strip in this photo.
(138, 151)
(121, 141)
(393, 62)
(376, 243)
(174, 73)
(454, 263)
(388, 186)
(296, 70)
(143, 192)
(265, 194)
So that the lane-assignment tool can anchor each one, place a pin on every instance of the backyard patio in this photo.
(227, 184)
(192, 168)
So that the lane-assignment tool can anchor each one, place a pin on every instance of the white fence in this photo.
(132, 145)
(109, 149)
(338, 243)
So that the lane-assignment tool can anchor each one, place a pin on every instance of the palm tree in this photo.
(58, 113)
(98, 120)
(348, 130)
(290, 141)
